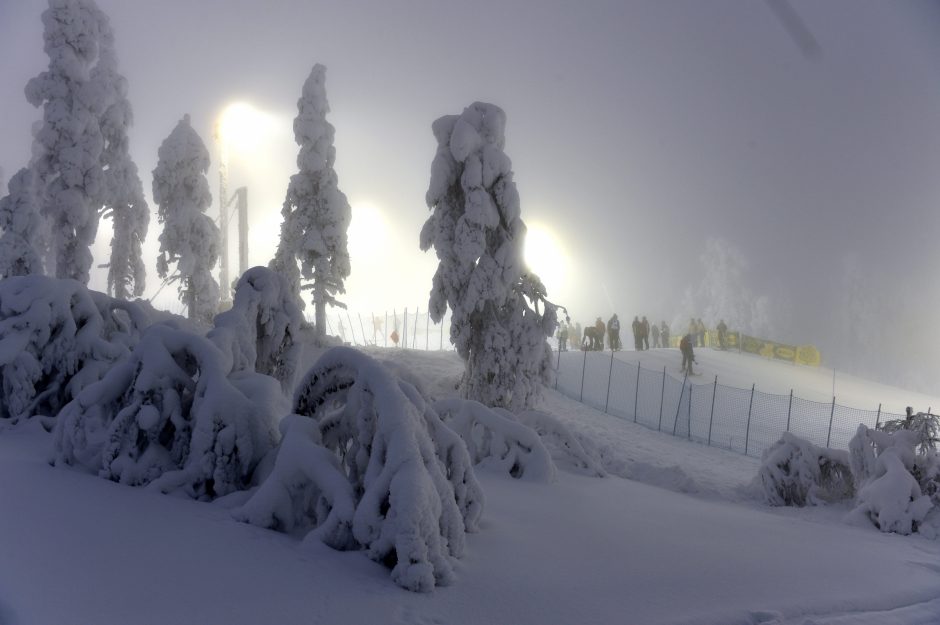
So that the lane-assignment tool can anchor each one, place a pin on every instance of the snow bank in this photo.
(379, 471)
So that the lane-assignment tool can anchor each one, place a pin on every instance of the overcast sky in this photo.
(637, 130)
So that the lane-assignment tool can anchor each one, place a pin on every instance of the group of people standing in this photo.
(642, 331)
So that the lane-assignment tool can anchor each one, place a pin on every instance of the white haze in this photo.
(638, 132)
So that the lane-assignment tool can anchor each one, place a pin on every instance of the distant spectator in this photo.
(701, 332)
(563, 338)
(645, 333)
(636, 333)
(654, 330)
(664, 334)
(722, 334)
(613, 332)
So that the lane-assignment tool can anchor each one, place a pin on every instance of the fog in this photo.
(639, 132)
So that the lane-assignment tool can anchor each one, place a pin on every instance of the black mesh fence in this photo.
(743, 420)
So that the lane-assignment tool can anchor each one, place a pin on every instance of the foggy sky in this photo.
(636, 129)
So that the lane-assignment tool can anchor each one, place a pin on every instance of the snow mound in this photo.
(374, 468)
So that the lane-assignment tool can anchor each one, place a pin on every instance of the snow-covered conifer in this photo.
(262, 329)
(122, 193)
(394, 480)
(69, 141)
(316, 214)
(190, 239)
(21, 227)
(475, 228)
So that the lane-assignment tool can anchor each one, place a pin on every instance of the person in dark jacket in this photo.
(645, 333)
(654, 330)
(599, 331)
(636, 333)
(722, 333)
(688, 355)
(664, 334)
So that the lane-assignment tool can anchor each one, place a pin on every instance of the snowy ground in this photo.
(679, 541)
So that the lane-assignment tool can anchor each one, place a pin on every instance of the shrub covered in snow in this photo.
(56, 337)
(262, 329)
(794, 472)
(475, 228)
(170, 415)
(190, 239)
(889, 494)
(926, 425)
(556, 435)
(316, 214)
(379, 471)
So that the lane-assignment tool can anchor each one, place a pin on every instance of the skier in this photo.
(655, 332)
(613, 332)
(722, 333)
(664, 334)
(688, 355)
(645, 333)
(636, 333)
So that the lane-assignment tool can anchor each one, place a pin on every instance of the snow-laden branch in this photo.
(414, 494)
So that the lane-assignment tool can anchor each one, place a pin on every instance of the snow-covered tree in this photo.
(69, 140)
(795, 472)
(262, 329)
(171, 415)
(190, 239)
(886, 469)
(21, 227)
(122, 193)
(56, 338)
(722, 293)
(316, 214)
(477, 233)
(375, 469)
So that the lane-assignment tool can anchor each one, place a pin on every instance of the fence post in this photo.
(427, 332)
(636, 394)
(711, 417)
(747, 432)
(691, 388)
(789, 409)
(351, 330)
(831, 414)
(404, 330)
(414, 338)
(878, 417)
(583, 367)
(679, 405)
(662, 398)
(362, 329)
(385, 329)
(557, 369)
(610, 372)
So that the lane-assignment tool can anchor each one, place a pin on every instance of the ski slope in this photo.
(673, 536)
